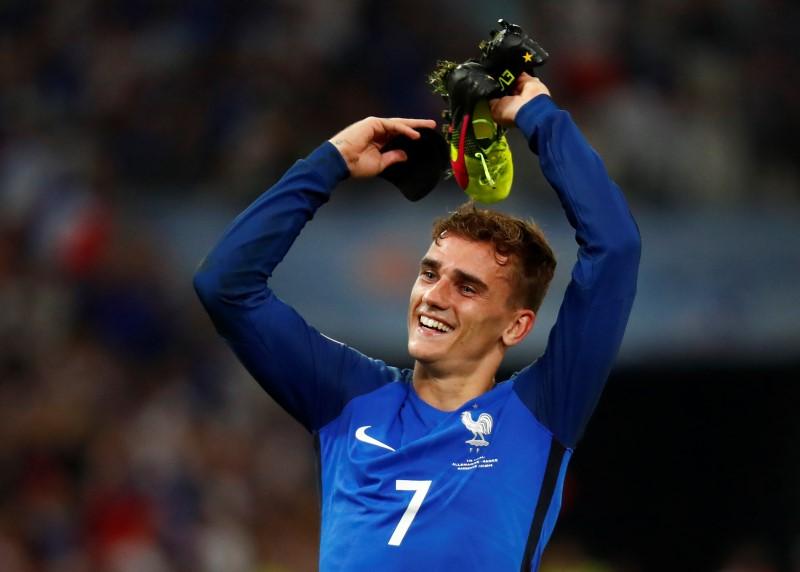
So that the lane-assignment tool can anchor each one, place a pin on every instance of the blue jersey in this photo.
(404, 485)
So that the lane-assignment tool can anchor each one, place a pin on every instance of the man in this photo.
(440, 468)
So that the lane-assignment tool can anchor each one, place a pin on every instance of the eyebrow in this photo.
(461, 276)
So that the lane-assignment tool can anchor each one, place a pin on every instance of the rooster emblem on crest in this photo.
(479, 428)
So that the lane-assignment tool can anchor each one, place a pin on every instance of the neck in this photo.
(449, 391)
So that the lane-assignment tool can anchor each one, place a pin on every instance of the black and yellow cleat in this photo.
(479, 154)
(480, 158)
(509, 52)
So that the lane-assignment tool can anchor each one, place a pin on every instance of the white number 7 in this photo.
(420, 489)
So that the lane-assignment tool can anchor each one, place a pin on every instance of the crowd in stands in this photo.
(129, 438)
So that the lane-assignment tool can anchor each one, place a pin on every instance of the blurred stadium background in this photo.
(132, 131)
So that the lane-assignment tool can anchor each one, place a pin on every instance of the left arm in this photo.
(563, 386)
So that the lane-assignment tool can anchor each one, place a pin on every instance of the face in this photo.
(459, 313)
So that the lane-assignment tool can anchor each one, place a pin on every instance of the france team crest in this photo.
(479, 428)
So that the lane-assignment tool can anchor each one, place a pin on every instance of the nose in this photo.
(437, 294)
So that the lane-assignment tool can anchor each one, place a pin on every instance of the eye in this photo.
(468, 290)
(428, 274)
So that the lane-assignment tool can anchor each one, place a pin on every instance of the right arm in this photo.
(308, 374)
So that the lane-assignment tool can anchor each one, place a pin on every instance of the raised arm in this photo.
(563, 386)
(310, 375)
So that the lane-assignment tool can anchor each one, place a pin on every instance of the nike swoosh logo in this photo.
(361, 435)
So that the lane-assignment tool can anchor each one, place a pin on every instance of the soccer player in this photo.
(442, 467)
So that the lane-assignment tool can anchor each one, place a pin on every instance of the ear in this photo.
(519, 327)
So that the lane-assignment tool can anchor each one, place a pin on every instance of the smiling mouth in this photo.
(432, 325)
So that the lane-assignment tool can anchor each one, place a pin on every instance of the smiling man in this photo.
(479, 288)
(442, 467)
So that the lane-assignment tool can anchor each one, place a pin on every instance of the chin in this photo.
(420, 353)
(414, 351)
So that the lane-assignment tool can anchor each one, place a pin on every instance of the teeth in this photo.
(435, 324)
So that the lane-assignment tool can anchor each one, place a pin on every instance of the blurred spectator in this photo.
(751, 556)
(128, 439)
(566, 554)
(185, 93)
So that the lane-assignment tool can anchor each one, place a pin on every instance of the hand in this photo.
(504, 109)
(360, 144)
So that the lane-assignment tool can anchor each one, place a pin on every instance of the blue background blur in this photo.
(133, 131)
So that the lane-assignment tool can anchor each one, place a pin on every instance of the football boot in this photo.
(480, 158)
(509, 52)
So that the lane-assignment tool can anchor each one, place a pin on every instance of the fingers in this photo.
(525, 79)
(391, 157)
(416, 123)
(503, 111)
(405, 126)
(498, 104)
(534, 86)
